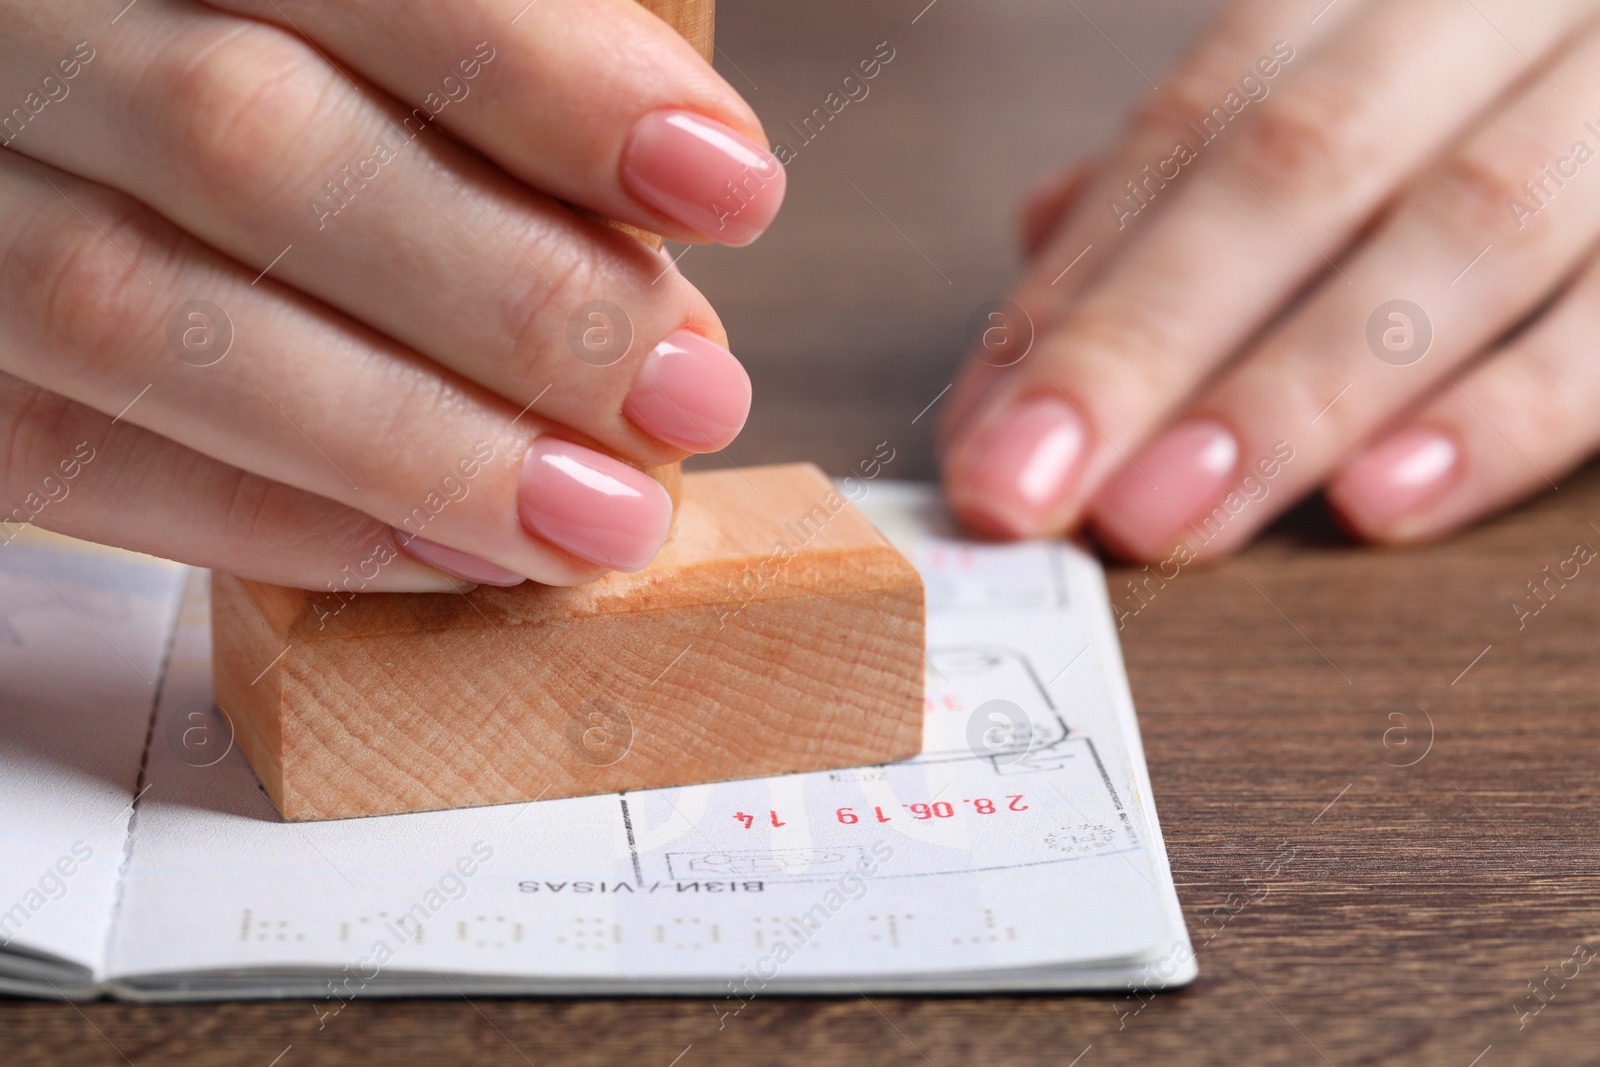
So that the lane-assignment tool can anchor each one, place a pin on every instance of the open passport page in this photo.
(140, 859)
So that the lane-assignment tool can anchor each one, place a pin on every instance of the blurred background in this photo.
(901, 214)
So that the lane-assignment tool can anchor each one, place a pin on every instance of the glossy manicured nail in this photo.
(1168, 484)
(703, 175)
(1395, 478)
(1013, 477)
(592, 505)
(455, 562)
(689, 392)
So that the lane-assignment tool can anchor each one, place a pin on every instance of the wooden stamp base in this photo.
(777, 631)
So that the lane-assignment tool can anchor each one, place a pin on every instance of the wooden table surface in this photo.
(1433, 876)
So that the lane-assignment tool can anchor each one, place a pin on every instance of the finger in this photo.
(71, 469)
(1511, 427)
(1471, 265)
(97, 303)
(1052, 202)
(260, 149)
(595, 101)
(1252, 49)
(1240, 238)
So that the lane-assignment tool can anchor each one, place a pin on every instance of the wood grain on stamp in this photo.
(695, 21)
(776, 632)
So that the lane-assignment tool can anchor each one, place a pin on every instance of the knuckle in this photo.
(272, 521)
(1173, 107)
(1288, 383)
(1139, 348)
(1474, 189)
(269, 516)
(589, 324)
(82, 289)
(1535, 398)
(536, 317)
(239, 108)
(250, 504)
(30, 416)
(1313, 137)
(1180, 107)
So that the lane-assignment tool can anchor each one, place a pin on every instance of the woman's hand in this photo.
(287, 285)
(1347, 244)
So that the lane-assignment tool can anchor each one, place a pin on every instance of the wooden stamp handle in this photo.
(695, 21)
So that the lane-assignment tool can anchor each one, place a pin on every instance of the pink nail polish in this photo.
(455, 562)
(1149, 502)
(689, 392)
(1394, 478)
(592, 505)
(703, 175)
(1010, 481)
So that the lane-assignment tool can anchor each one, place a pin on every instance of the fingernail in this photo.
(455, 562)
(1012, 478)
(703, 175)
(1165, 486)
(592, 505)
(1394, 478)
(689, 392)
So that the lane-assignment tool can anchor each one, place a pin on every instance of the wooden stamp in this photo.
(777, 631)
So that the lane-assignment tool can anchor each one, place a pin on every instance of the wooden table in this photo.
(1420, 899)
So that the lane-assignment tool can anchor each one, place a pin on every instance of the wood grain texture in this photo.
(1418, 905)
(777, 631)
(695, 21)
